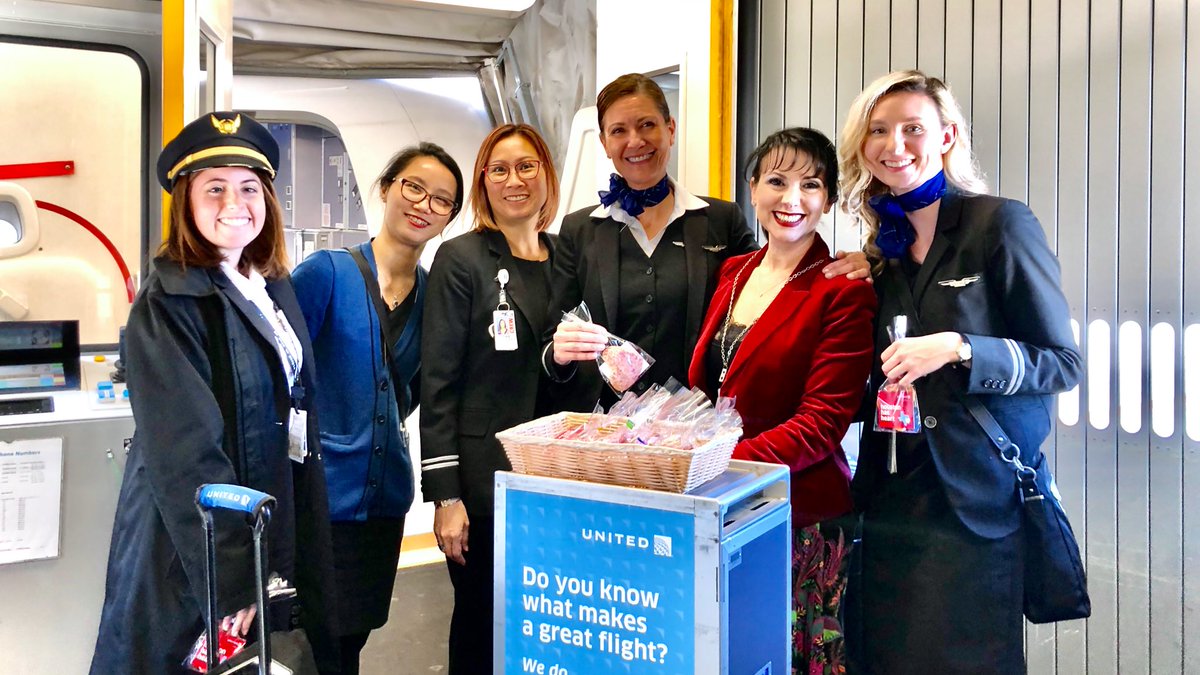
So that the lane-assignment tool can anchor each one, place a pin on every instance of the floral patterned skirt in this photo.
(819, 561)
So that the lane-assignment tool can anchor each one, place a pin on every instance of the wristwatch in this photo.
(964, 350)
(443, 503)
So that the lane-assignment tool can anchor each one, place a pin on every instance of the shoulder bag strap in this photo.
(381, 310)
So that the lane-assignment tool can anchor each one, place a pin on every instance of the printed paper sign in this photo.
(30, 499)
(593, 587)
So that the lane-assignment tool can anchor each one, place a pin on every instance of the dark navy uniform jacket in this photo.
(210, 406)
(469, 389)
(991, 276)
(588, 268)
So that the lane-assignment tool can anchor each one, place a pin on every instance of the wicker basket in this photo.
(533, 448)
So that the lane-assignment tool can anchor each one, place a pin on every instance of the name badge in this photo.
(297, 435)
(504, 330)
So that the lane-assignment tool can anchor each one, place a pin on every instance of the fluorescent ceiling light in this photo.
(517, 6)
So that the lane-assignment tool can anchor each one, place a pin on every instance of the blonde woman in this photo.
(940, 587)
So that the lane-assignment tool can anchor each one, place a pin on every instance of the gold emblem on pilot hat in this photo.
(226, 126)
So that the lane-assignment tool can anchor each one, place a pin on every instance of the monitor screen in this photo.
(38, 356)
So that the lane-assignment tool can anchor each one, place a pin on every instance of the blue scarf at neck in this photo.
(633, 201)
(896, 233)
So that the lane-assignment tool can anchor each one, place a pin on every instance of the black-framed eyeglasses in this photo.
(416, 193)
(527, 169)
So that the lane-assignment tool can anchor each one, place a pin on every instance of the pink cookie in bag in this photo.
(622, 365)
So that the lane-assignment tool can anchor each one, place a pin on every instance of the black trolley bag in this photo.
(288, 652)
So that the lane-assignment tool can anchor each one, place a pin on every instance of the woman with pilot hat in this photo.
(220, 374)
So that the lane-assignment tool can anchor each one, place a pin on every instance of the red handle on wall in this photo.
(85, 224)
(36, 170)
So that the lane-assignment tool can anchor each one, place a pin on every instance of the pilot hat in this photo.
(218, 139)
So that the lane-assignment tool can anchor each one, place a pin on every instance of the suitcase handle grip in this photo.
(233, 498)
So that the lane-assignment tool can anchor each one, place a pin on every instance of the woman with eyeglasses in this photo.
(364, 308)
(488, 294)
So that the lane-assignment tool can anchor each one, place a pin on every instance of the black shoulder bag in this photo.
(1055, 584)
(1054, 579)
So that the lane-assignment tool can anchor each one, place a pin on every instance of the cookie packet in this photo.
(896, 408)
(621, 362)
(229, 645)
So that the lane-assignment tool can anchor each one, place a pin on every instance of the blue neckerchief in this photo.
(633, 201)
(896, 233)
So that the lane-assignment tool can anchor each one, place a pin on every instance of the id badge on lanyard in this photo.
(503, 329)
(297, 427)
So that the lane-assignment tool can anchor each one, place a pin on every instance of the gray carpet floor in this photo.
(414, 640)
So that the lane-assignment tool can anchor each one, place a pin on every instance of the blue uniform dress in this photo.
(362, 408)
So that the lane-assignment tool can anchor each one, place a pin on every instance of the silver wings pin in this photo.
(959, 283)
(711, 248)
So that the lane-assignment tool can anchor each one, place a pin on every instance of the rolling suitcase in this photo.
(288, 652)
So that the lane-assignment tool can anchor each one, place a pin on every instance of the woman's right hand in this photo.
(578, 341)
(450, 528)
(241, 623)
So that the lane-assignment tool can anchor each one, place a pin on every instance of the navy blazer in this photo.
(469, 389)
(587, 268)
(209, 401)
(990, 275)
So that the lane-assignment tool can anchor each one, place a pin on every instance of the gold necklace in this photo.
(726, 349)
(394, 300)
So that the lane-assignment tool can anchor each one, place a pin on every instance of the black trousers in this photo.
(926, 595)
(351, 647)
(471, 623)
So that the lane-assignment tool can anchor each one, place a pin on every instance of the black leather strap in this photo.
(381, 310)
(990, 426)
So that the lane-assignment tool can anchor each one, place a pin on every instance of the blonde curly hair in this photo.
(857, 183)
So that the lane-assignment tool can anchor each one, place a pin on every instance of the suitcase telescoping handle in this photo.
(258, 506)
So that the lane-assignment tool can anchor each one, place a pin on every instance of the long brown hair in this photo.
(482, 207)
(186, 246)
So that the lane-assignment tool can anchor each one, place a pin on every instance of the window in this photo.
(10, 225)
(84, 106)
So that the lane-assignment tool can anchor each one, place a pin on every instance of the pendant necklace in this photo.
(726, 348)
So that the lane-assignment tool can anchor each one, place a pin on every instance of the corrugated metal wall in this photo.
(1081, 109)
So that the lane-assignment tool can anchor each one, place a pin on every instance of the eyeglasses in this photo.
(417, 193)
(527, 169)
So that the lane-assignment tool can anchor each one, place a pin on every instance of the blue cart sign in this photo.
(597, 587)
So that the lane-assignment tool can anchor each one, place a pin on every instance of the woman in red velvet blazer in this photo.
(796, 349)
(793, 346)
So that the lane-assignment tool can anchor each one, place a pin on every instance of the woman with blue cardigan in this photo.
(363, 307)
